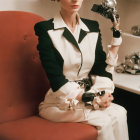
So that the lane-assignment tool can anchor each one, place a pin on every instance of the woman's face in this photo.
(71, 5)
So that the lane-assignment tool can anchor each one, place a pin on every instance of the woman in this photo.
(79, 73)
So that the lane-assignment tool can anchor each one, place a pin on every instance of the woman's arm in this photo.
(48, 58)
(113, 49)
(99, 67)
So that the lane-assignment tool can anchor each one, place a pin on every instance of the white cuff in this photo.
(116, 41)
(70, 90)
(102, 83)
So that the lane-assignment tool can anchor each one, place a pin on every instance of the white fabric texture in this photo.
(116, 41)
(111, 61)
(102, 83)
(70, 90)
(111, 123)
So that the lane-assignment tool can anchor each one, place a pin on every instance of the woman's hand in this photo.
(116, 40)
(79, 96)
(116, 23)
(106, 100)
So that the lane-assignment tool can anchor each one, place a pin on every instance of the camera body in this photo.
(106, 9)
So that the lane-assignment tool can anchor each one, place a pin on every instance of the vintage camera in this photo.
(107, 9)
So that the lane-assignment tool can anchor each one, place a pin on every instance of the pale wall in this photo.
(129, 11)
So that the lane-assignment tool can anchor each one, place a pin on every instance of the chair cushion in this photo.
(36, 128)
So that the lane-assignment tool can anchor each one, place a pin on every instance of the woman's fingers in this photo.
(105, 100)
(116, 23)
(105, 105)
(111, 98)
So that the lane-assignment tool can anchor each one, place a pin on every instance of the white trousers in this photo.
(111, 123)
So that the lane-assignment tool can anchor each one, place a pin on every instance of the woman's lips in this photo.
(75, 6)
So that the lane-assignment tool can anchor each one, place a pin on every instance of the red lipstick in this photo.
(75, 6)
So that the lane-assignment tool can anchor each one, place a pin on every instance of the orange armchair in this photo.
(23, 84)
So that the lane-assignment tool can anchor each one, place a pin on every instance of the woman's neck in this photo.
(69, 19)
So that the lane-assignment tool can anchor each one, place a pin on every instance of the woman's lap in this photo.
(83, 114)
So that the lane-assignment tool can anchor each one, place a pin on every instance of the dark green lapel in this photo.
(82, 35)
(68, 35)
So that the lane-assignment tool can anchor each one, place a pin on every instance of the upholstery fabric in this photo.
(35, 128)
(23, 82)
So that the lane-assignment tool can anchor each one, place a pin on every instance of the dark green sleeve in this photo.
(100, 58)
(50, 58)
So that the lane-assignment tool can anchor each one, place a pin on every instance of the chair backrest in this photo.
(23, 82)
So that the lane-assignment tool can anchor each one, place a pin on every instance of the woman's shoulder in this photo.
(43, 26)
(91, 24)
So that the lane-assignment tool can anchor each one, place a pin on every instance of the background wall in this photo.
(129, 11)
